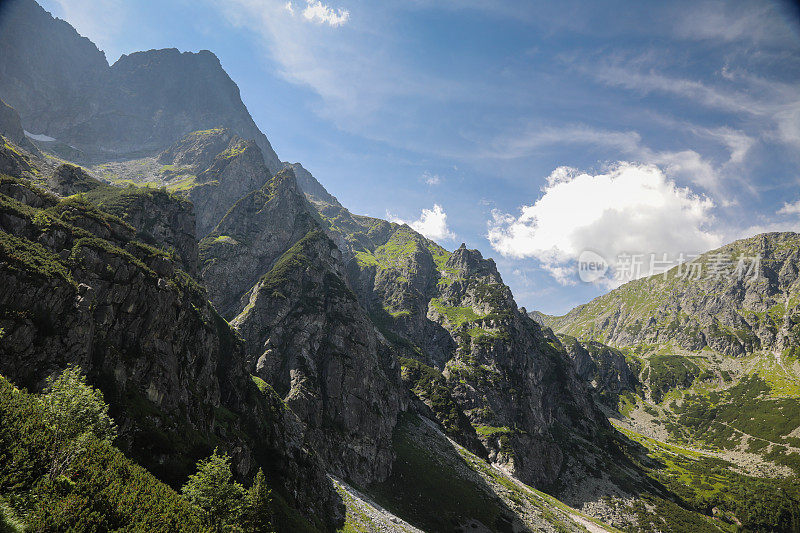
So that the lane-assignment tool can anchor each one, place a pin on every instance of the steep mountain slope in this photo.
(254, 233)
(713, 345)
(309, 338)
(367, 352)
(733, 308)
(48, 72)
(11, 128)
(62, 86)
(606, 369)
(78, 288)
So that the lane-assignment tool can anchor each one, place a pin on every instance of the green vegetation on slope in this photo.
(430, 494)
(710, 486)
(667, 372)
(721, 418)
(99, 490)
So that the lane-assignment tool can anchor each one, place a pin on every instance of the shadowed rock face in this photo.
(62, 86)
(471, 354)
(604, 367)
(161, 219)
(254, 233)
(67, 180)
(85, 292)
(11, 128)
(48, 72)
(307, 335)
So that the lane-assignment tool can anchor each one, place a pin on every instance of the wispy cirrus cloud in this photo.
(687, 165)
(771, 106)
(765, 23)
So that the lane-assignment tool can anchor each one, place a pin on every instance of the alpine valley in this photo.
(224, 302)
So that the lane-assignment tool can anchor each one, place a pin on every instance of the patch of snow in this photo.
(38, 136)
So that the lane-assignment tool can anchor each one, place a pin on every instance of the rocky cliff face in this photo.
(512, 380)
(14, 161)
(62, 86)
(76, 287)
(493, 378)
(307, 335)
(11, 128)
(67, 180)
(605, 368)
(733, 308)
(234, 172)
(48, 72)
(213, 169)
(198, 149)
(250, 238)
(311, 187)
(161, 219)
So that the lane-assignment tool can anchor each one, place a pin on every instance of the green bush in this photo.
(98, 490)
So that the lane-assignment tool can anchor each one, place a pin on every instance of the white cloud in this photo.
(316, 11)
(686, 165)
(761, 23)
(632, 208)
(790, 209)
(773, 106)
(320, 13)
(431, 179)
(432, 223)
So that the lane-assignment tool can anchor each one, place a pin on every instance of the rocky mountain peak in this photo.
(471, 262)
(197, 149)
(62, 86)
(313, 188)
(735, 299)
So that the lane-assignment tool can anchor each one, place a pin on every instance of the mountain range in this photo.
(223, 300)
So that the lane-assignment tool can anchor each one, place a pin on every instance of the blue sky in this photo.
(529, 130)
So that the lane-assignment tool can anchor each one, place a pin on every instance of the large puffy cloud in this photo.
(432, 223)
(630, 209)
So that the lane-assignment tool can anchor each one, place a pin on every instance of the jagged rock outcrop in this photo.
(732, 307)
(216, 169)
(234, 172)
(198, 149)
(162, 219)
(605, 368)
(14, 161)
(11, 128)
(62, 86)
(307, 335)
(506, 375)
(69, 179)
(254, 233)
(311, 187)
(76, 287)
(512, 380)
